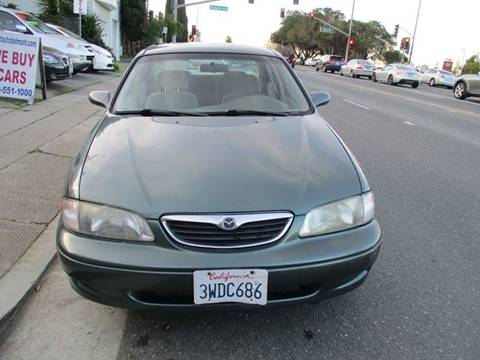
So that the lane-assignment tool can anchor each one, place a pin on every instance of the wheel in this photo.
(374, 77)
(316, 68)
(431, 82)
(415, 85)
(459, 91)
(352, 74)
(324, 68)
(369, 78)
(341, 73)
(390, 80)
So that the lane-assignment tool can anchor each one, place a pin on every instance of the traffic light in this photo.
(395, 33)
(282, 13)
(406, 45)
(251, 1)
(352, 42)
(295, 2)
(312, 16)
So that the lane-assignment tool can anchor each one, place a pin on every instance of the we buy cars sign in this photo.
(18, 65)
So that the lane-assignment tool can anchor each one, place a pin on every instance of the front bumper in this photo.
(363, 72)
(141, 276)
(58, 72)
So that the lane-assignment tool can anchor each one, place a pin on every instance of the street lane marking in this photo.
(409, 123)
(357, 104)
(443, 107)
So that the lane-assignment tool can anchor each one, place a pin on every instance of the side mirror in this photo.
(320, 98)
(99, 98)
(21, 28)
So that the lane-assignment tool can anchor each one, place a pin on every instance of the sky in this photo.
(446, 29)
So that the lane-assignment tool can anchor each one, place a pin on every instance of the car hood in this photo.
(164, 165)
(60, 43)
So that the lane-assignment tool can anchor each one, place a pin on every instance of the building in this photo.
(108, 11)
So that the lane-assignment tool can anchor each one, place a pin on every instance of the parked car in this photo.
(330, 63)
(467, 85)
(394, 74)
(311, 62)
(438, 77)
(58, 66)
(26, 23)
(292, 60)
(103, 59)
(357, 68)
(239, 194)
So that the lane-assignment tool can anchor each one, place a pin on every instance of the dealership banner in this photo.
(19, 59)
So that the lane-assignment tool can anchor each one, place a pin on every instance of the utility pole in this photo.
(415, 31)
(349, 33)
(175, 17)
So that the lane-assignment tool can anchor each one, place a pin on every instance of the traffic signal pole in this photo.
(349, 32)
(415, 31)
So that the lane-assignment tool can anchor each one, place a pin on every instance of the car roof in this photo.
(208, 48)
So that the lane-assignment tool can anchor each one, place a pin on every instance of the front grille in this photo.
(205, 231)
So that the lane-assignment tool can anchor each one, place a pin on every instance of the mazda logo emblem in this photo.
(228, 223)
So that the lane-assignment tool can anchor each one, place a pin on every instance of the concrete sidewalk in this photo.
(37, 146)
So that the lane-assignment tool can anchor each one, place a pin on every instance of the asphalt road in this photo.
(420, 149)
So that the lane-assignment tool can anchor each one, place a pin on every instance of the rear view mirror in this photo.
(320, 98)
(21, 28)
(99, 98)
(214, 68)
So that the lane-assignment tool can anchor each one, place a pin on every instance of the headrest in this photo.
(172, 79)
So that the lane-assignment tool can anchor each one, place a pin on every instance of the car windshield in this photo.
(446, 72)
(35, 23)
(67, 32)
(209, 84)
(336, 58)
(365, 62)
(405, 67)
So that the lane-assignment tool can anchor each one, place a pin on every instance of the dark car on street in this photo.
(212, 181)
(330, 63)
(58, 66)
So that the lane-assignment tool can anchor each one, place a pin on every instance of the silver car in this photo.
(467, 85)
(438, 77)
(357, 68)
(394, 74)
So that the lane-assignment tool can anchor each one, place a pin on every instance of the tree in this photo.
(53, 11)
(181, 28)
(471, 67)
(133, 17)
(310, 38)
(154, 29)
(394, 56)
(92, 30)
(228, 39)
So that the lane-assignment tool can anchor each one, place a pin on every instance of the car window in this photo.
(177, 82)
(364, 62)
(336, 58)
(35, 23)
(444, 72)
(405, 67)
(8, 21)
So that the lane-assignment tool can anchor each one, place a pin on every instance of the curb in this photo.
(19, 281)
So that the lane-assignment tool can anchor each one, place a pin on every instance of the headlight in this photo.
(104, 221)
(49, 59)
(339, 215)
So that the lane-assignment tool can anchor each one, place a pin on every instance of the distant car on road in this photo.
(330, 63)
(438, 77)
(357, 68)
(311, 62)
(394, 74)
(467, 85)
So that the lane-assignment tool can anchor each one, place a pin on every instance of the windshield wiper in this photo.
(159, 112)
(240, 112)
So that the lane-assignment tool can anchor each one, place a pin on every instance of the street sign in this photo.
(218, 7)
(326, 29)
(80, 7)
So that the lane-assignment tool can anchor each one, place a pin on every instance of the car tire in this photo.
(324, 68)
(316, 68)
(369, 78)
(415, 85)
(341, 73)
(460, 91)
(431, 82)
(390, 80)
(374, 77)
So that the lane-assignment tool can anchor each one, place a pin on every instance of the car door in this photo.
(383, 74)
(9, 22)
(475, 84)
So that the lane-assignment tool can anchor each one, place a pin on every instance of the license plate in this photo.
(248, 286)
